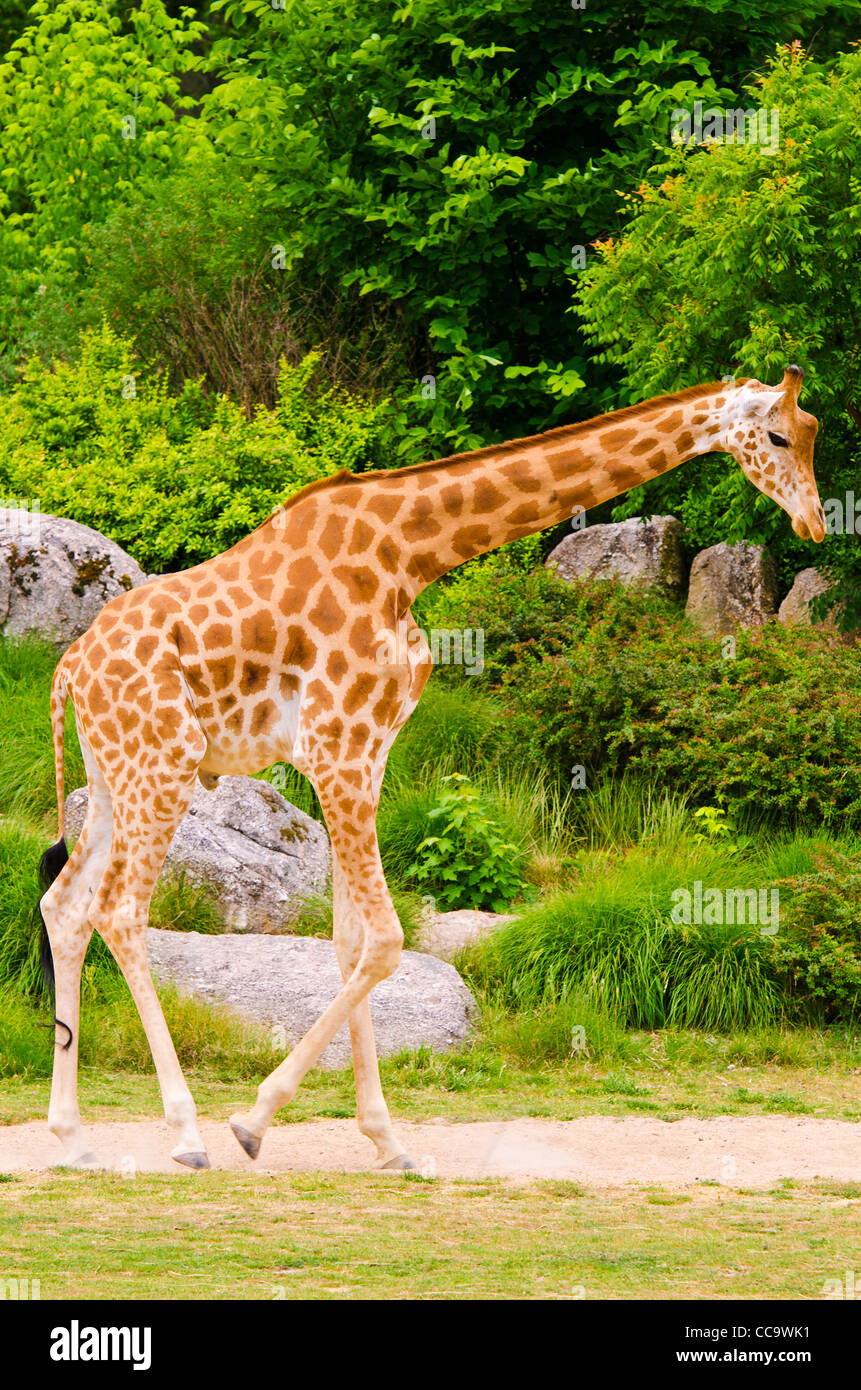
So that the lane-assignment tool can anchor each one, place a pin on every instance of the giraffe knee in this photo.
(382, 953)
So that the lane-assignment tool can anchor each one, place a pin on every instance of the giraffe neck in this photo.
(473, 503)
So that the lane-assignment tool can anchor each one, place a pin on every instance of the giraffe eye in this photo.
(778, 440)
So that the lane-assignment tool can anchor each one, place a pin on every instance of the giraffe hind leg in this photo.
(64, 914)
(120, 912)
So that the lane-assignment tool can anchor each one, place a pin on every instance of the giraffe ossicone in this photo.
(271, 653)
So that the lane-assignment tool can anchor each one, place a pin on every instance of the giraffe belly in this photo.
(235, 746)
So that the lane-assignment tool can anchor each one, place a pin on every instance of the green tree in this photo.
(447, 156)
(737, 260)
(88, 104)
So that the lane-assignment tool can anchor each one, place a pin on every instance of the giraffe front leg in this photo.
(372, 1113)
(356, 849)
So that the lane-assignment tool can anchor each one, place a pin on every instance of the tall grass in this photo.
(453, 728)
(178, 903)
(112, 1037)
(628, 811)
(613, 943)
(26, 748)
(315, 916)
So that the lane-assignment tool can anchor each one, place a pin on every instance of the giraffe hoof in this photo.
(192, 1159)
(400, 1163)
(250, 1142)
(86, 1161)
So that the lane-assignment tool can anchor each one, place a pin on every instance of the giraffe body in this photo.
(277, 651)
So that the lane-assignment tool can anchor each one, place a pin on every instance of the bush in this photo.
(466, 862)
(818, 952)
(615, 946)
(613, 680)
(173, 479)
(190, 267)
(68, 89)
(619, 951)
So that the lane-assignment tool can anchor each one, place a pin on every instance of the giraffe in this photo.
(276, 651)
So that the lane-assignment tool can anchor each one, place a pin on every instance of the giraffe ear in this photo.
(792, 379)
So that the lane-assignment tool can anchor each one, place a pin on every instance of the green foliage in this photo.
(468, 863)
(315, 916)
(614, 945)
(612, 680)
(190, 265)
(818, 953)
(737, 260)
(112, 1038)
(540, 113)
(428, 169)
(68, 89)
(173, 479)
(715, 826)
(181, 903)
(453, 729)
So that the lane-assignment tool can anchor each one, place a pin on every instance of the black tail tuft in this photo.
(52, 863)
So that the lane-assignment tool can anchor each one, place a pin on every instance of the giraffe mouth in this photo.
(811, 527)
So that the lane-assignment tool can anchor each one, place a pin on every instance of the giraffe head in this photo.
(772, 439)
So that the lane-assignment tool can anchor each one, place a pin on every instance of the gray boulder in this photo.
(732, 586)
(445, 933)
(260, 854)
(285, 983)
(632, 551)
(808, 584)
(57, 575)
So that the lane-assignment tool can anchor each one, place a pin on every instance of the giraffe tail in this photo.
(55, 859)
(59, 695)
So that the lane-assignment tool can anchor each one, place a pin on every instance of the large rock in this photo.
(795, 607)
(260, 854)
(732, 586)
(57, 575)
(445, 933)
(285, 982)
(632, 551)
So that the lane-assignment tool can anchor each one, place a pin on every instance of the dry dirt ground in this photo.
(747, 1152)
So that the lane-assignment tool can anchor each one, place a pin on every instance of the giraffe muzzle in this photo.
(810, 526)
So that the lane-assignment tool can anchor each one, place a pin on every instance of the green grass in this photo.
(628, 811)
(612, 943)
(26, 748)
(315, 916)
(512, 1064)
(112, 1038)
(306, 1236)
